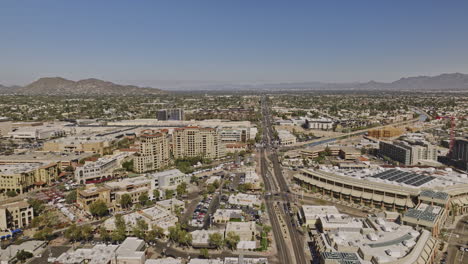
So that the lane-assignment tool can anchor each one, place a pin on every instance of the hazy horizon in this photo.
(153, 43)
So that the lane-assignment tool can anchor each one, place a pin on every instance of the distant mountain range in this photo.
(442, 82)
(61, 86)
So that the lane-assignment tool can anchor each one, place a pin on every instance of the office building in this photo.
(408, 152)
(170, 114)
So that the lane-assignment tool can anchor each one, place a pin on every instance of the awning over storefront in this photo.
(356, 193)
(336, 189)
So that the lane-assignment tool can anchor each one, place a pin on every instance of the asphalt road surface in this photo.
(295, 238)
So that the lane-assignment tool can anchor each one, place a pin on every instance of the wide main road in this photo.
(294, 238)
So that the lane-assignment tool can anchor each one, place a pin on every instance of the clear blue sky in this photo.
(148, 42)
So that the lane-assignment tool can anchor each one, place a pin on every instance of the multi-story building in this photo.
(100, 145)
(102, 169)
(154, 151)
(460, 149)
(321, 124)
(386, 132)
(197, 142)
(408, 152)
(170, 114)
(85, 197)
(21, 177)
(14, 215)
(168, 179)
(286, 138)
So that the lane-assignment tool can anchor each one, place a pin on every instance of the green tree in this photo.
(128, 165)
(143, 199)
(156, 194)
(105, 236)
(11, 193)
(140, 229)
(156, 232)
(87, 232)
(23, 255)
(204, 253)
(37, 205)
(169, 194)
(211, 188)
(43, 234)
(71, 197)
(216, 240)
(125, 200)
(98, 208)
(181, 189)
(73, 233)
(120, 232)
(232, 239)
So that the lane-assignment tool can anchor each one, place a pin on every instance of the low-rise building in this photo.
(247, 231)
(286, 138)
(312, 213)
(131, 251)
(35, 247)
(243, 199)
(225, 215)
(164, 261)
(244, 260)
(15, 215)
(154, 216)
(201, 238)
(91, 193)
(168, 179)
(101, 169)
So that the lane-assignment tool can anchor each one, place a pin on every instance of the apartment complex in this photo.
(154, 151)
(14, 215)
(170, 114)
(21, 177)
(197, 142)
(408, 152)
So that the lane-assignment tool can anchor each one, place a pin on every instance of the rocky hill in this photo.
(61, 86)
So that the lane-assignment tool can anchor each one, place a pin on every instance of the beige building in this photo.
(247, 231)
(22, 177)
(14, 215)
(154, 151)
(92, 194)
(100, 145)
(197, 142)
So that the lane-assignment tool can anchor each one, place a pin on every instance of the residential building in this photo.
(408, 152)
(22, 177)
(154, 151)
(14, 215)
(321, 124)
(197, 142)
